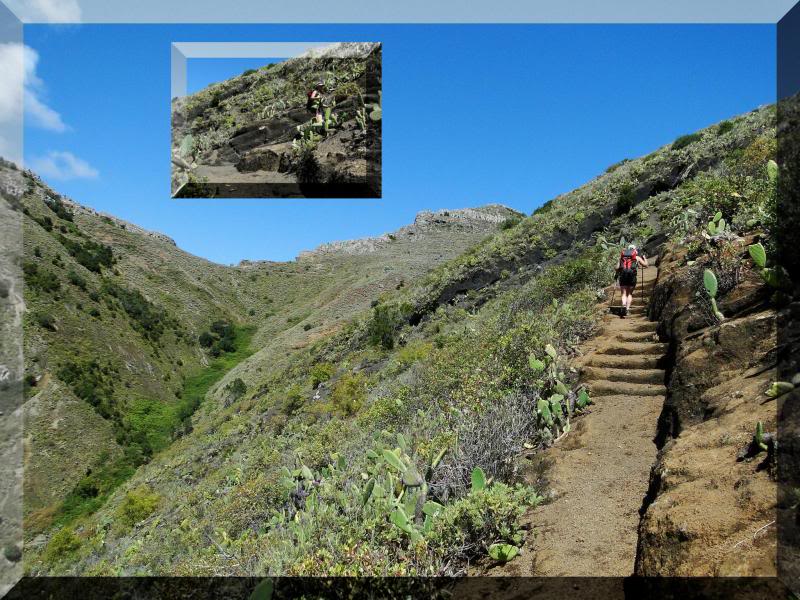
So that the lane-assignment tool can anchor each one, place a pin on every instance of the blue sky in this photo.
(472, 114)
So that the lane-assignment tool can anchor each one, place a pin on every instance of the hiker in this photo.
(627, 269)
(315, 99)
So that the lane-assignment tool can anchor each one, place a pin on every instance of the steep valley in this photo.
(123, 334)
(388, 406)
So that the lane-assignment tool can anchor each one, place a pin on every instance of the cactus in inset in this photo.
(758, 438)
(186, 148)
(778, 388)
(535, 364)
(393, 460)
(503, 552)
(370, 487)
(758, 254)
(361, 118)
(717, 224)
(710, 283)
(776, 276)
(772, 172)
(555, 406)
(400, 519)
(412, 513)
(478, 478)
(543, 409)
(376, 112)
(583, 399)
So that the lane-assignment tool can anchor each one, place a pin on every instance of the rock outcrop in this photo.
(711, 504)
(461, 220)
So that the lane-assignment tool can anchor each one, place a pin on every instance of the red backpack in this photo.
(628, 261)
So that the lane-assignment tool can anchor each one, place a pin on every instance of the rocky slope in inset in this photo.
(252, 134)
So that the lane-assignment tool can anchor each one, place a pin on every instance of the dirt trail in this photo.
(598, 473)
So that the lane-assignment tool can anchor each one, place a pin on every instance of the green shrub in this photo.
(92, 383)
(46, 321)
(686, 140)
(386, 320)
(40, 279)
(57, 206)
(625, 199)
(236, 389)
(724, 127)
(349, 393)
(137, 506)
(466, 529)
(76, 280)
(347, 90)
(320, 373)
(89, 254)
(46, 222)
(220, 338)
(63, 543)
(511, 222)
(147, 318)
(544, 208)
(617, 165)
(412, 352)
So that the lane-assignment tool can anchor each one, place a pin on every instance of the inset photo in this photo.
(303, 126)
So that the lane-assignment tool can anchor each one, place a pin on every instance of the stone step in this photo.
(624, 374)
(637, 313)
(643, 326)
(619, 361)
(635, 348)
(620, 388)
(637, 326)
(637, 336)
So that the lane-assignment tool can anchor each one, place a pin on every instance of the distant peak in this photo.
(427, 222)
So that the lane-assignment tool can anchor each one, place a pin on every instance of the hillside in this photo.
(384, 422)
(252, 135)
(115, 319)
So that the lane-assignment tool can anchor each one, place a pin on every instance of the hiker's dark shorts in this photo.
(627, 279)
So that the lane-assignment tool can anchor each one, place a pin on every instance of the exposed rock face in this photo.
(270, 158)
(709, 512)
(469, 219)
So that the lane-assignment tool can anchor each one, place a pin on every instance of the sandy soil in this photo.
(598, 474)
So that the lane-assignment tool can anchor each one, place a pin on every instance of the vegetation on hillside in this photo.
(392, 446)
(144, 341)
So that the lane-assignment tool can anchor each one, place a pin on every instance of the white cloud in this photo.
(20, 85)
(62, 166)
(46, 11)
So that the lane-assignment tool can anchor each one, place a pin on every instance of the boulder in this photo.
(276, 157)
